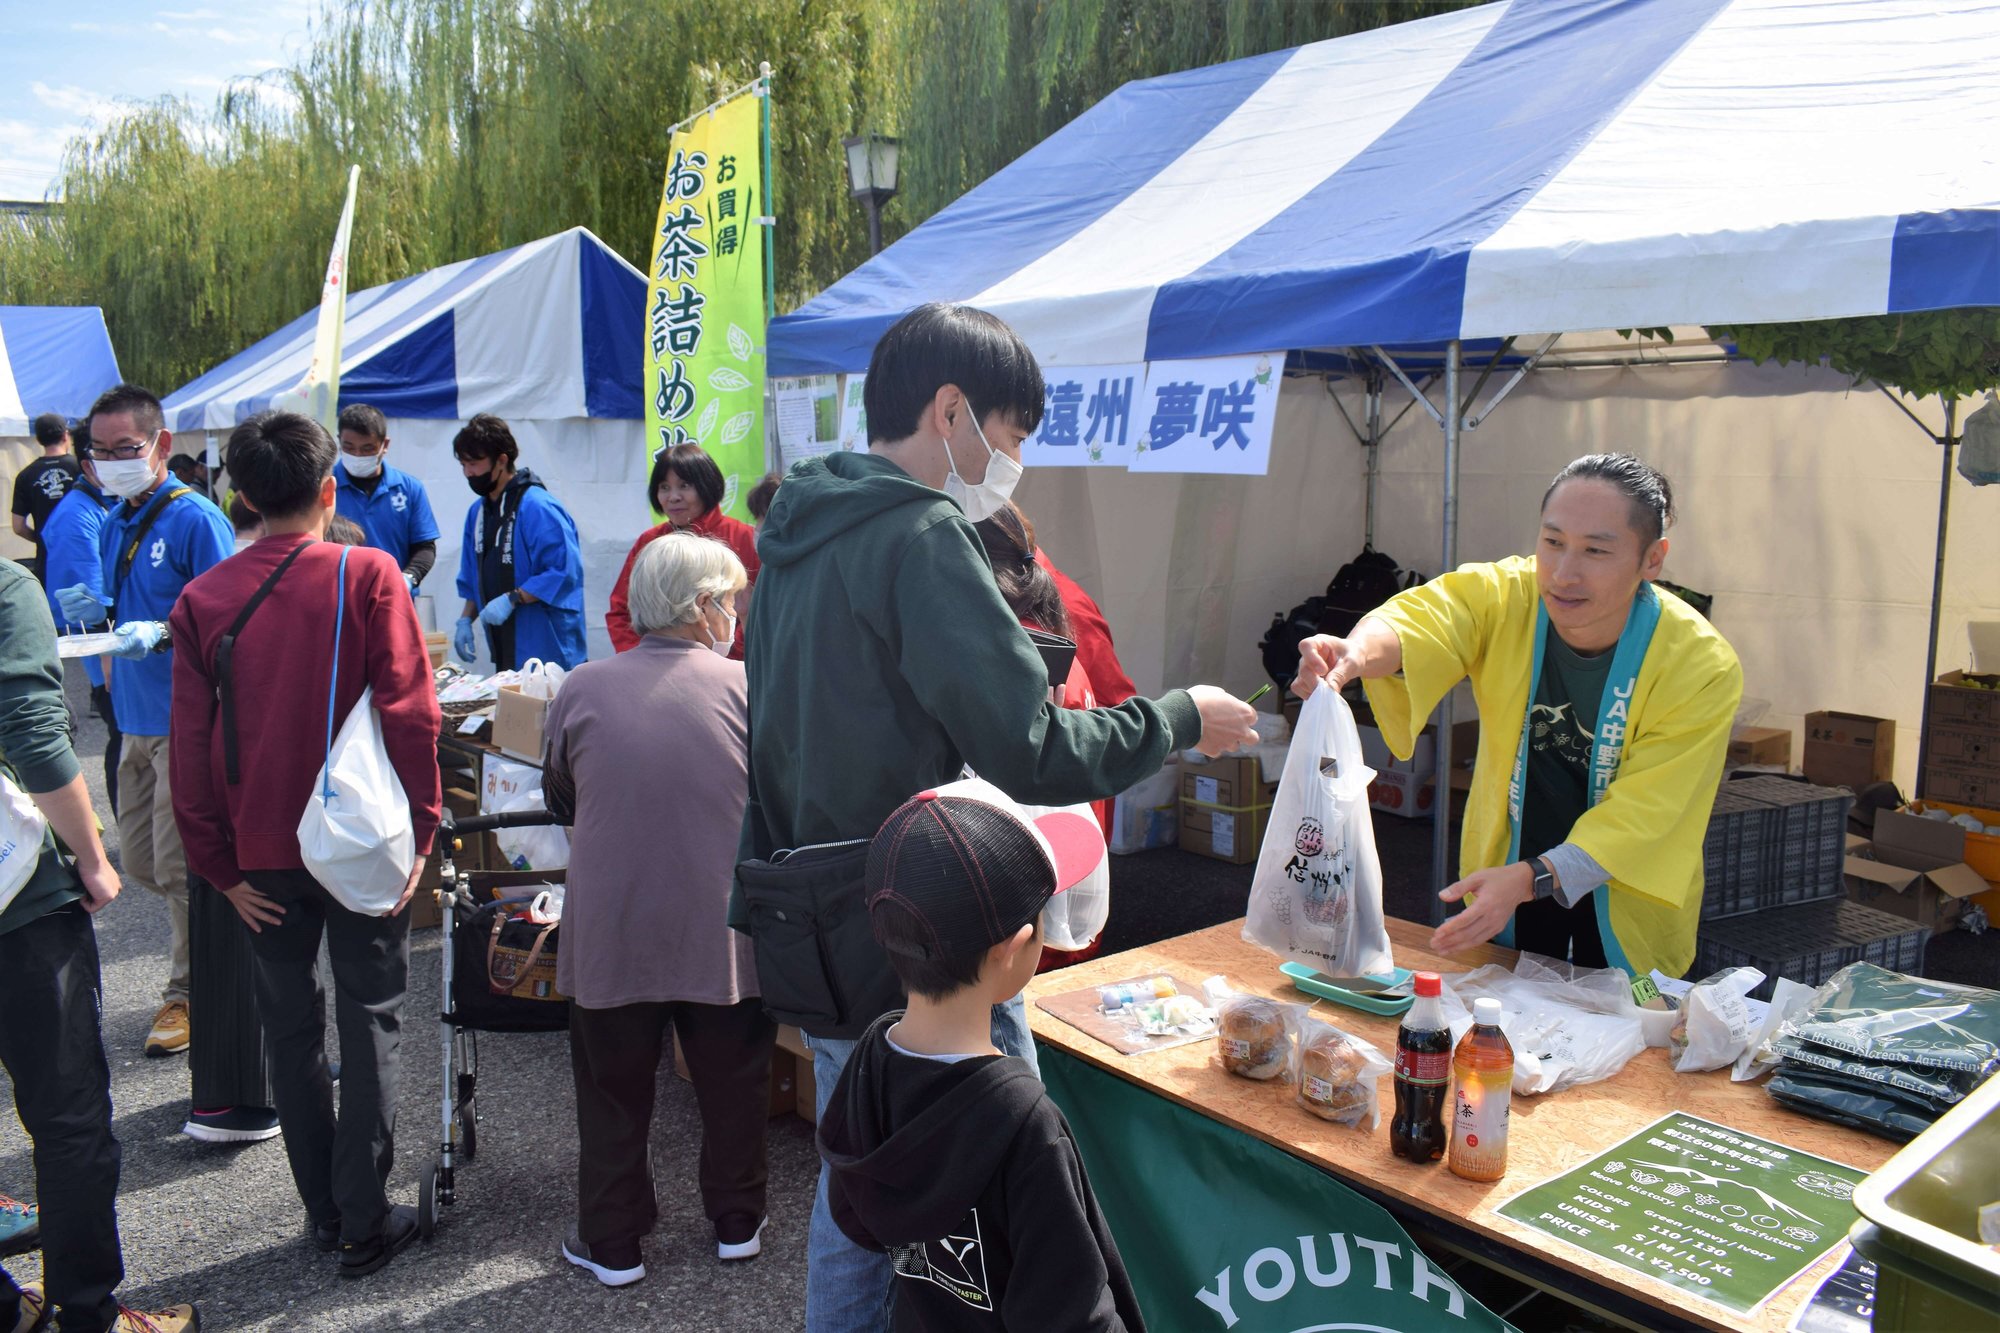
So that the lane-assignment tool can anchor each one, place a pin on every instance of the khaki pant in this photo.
(149, 845)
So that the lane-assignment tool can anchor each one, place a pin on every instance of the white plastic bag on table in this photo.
(1567, 1025)
(21, 829)
(537, 846)
(539, 679)
(1789, 1000)
(1316, 898)
(1717, 1024)
(355, 835)
(1076, 916)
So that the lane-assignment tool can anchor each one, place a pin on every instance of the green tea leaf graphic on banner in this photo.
(705, 295)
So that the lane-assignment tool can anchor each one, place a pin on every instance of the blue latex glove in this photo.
(136, 638)
(496, 611)
(461, 640)
(80, 606)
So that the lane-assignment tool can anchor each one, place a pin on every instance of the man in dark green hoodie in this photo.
(883, 661)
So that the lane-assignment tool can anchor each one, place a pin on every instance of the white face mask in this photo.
(127, 478)
(990, 496)
(359, 466)
(724, 645)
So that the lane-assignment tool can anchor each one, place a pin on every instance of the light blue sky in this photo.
(72, 63)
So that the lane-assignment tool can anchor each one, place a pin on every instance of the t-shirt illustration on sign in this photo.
(956, 1262)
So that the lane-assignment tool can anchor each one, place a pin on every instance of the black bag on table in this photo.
(504, 971)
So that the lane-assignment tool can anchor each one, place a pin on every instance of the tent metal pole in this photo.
(1374, 446)
(1949, 441)
(1454, 419)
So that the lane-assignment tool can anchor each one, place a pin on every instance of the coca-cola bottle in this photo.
(1423, 1076)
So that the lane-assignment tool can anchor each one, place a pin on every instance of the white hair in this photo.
(675, 571)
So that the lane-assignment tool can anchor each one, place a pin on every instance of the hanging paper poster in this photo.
(808, 416)
(853, 414)
(705, 298)
(1088, 417)
(1719, 1215)
(1213, 415)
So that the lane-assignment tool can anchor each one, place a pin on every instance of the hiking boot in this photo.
(20, 1227)
(739, 1236)
(326, 1235)
(34, 1310)
(173, 1319)
(170, 1029)
(359, 1258)
(615, 1263)
(232, 1124)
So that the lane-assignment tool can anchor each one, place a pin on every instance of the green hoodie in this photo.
(882, 660)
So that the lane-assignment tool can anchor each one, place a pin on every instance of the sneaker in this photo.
(326, 1235)
(170, 1030)
(20, 1226)
(232, 1124)
(739, 1236)
(615, 1263)
(34, 1310)
(173, 1319)
(362, 1257)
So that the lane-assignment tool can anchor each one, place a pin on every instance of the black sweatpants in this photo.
(226, 1059)
(616, 1055)
(341, 1166)
(50, 1042)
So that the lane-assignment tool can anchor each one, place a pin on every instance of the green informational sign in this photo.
(1222, 1231)
(1721, 1215)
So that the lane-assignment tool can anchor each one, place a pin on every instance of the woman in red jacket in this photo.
(687, 487)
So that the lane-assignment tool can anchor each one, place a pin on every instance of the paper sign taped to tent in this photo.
(1089, 417)
(1212, 415)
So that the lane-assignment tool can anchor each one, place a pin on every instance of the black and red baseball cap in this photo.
(971, 867)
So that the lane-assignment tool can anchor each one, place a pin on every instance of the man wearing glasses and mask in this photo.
(159, 537)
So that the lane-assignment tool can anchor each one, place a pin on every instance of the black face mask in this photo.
(482, 485)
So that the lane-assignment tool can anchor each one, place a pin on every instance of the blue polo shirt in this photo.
(396, 515)
(189, 538)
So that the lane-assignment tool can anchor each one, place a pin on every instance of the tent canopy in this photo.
(545, 331)
(1532, 166)
(52, 359)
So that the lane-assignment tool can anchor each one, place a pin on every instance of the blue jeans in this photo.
(849, 1289)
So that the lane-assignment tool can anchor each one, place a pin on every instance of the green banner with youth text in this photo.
(705, 296)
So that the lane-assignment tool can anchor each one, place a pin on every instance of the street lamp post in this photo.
(871, 178)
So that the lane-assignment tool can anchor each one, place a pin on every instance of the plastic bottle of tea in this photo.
(1483, 1077)
(1423, 1076)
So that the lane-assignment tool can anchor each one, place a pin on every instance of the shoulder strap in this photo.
(225, 653)
(326, 792)
(146, 522)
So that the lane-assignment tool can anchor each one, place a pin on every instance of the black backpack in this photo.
(1361, 585)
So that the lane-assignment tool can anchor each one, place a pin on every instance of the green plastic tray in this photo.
(1312, 983)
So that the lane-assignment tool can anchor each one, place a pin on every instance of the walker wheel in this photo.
(427, 1204)
(466, 1121)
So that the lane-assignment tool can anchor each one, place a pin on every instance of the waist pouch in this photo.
(818, 965)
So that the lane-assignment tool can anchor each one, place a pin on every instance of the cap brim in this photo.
(1075, 841)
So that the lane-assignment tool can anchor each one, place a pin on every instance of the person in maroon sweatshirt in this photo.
(248, 740)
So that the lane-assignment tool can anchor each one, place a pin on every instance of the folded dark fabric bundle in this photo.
(1871, 1013)
(1914, 1082)
(1859, 1103)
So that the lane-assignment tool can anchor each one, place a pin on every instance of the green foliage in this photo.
(1952, 353)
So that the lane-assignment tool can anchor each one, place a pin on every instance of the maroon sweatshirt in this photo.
(280, 667)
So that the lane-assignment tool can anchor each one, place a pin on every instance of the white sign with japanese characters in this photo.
(1213, 415)
(1089, 417)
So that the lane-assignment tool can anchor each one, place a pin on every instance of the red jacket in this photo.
(734, 533)
(280, 669)
(1108, 680)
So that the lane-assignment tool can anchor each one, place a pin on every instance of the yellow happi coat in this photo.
(1648, 829)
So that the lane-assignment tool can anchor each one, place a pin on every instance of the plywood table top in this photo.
(1549, 1134)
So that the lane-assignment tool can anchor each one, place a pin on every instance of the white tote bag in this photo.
(21, 830)
(355, 835)
(1316, 899)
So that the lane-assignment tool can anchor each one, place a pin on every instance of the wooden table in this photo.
(1549, 1134)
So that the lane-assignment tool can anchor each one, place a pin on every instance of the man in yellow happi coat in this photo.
(1606, 710)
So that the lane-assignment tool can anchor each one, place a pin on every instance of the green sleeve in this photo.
(34, 720)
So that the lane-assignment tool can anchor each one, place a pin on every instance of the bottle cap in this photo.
(1427, 983)
(1486, 1013)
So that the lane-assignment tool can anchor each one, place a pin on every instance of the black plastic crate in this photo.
(1773, 842)
(1733, 856)
(1809, 943)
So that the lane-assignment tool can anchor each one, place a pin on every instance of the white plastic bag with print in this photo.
(21, 830)
(1316, 899)
(536, 846)
(355, 834)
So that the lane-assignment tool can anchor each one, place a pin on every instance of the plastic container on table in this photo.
(1377, 1001)
(1920, 1217)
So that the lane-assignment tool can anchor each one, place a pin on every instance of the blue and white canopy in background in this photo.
(52, 359)
(1533, 166)
(544, 331)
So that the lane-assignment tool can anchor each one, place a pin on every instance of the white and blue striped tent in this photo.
(52, 359)
(1531, 166)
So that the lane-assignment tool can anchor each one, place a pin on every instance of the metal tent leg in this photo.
(1454, 416)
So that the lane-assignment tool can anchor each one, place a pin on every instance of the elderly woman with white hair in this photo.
(646, 761)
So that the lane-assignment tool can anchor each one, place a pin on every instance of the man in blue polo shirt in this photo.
(159, 538)
(391, 506)
(70, 540)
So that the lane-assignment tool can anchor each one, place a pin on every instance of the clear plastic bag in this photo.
(1567, 1025)
(1789, 999)
(1337, 1075)
(1716, 1025)
(1255, 1036)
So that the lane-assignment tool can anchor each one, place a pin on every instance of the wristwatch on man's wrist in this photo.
(518, 597)
(1545, 878)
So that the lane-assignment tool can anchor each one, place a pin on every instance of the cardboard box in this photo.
(1396, 792)
(1408, 787)
(1959, 787)
(517, 724)
(1914, 868)
(438, 643)
(1225, 806)
(1955, 702)
(1770, 746)
(805, 1103)
(1849, 749)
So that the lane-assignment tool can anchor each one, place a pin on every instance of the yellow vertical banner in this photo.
(705, 297)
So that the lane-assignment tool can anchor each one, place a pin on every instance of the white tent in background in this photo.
(52, 359)
(546, 335)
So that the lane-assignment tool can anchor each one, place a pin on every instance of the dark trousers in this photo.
(50, 1043)
(1570, 934)
(114, 744)
(226, 1060)
(616, 1056)
(341, 1167)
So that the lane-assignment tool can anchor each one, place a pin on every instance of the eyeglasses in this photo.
(125, 453)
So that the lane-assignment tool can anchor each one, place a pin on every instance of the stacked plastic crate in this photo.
(1774, 899)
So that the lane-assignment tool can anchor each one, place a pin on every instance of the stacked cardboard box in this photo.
(1962, 741)
(1225, 805)
(1917, 868)
(1765, 747)
(1849, 749)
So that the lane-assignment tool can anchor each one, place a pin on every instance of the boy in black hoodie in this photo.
(942, 1152)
